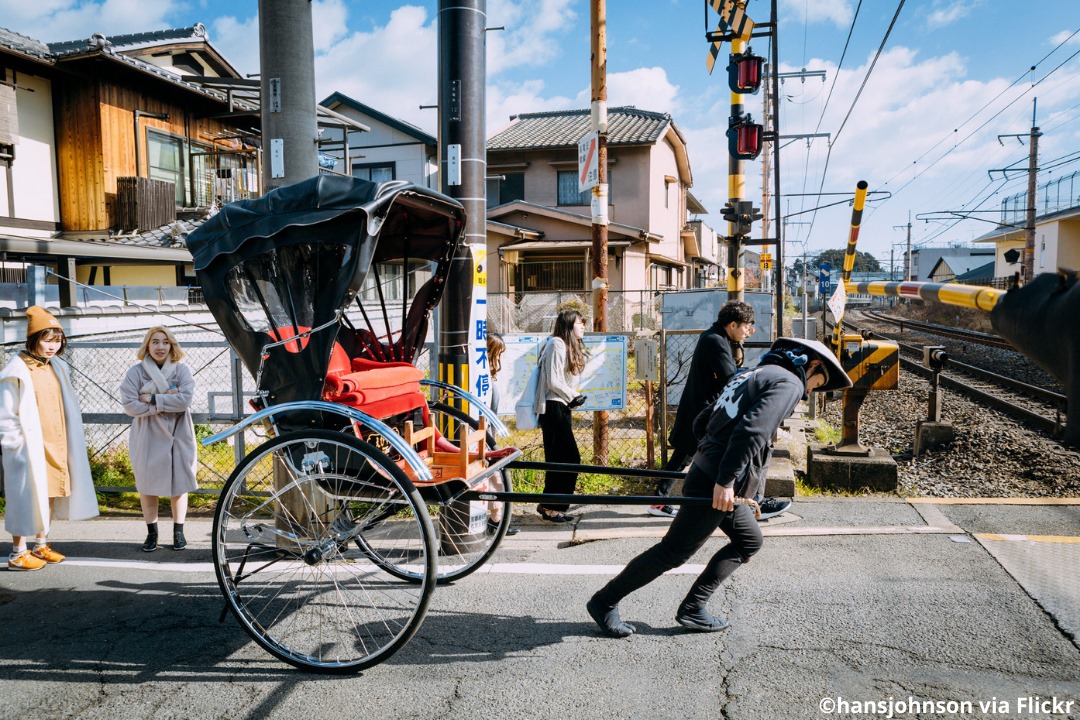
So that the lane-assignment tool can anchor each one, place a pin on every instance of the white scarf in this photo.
(159, 377)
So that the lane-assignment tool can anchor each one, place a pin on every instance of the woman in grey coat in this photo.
(157, 393)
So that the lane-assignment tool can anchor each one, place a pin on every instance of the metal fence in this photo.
(632, 437)
(222, 387)
(628, 311)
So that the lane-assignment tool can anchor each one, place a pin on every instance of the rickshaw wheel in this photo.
(459, 556)
(286, 562)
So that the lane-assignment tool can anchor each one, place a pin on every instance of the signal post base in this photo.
(875, 470)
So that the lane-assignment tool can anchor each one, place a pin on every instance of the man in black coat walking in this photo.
(736, 433)
(711, 366)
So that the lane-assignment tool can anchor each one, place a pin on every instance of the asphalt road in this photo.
(850, 602)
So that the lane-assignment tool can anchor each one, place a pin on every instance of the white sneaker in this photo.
(665, 511)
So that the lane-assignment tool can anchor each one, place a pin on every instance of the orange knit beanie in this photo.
(38, 319)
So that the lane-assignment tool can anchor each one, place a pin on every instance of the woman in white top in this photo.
(561, 362)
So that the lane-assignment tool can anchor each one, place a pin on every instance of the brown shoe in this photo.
(25, 561)
(47, 554)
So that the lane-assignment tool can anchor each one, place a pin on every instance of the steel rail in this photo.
(1056, 401)
(1053, 425)
(958, 333)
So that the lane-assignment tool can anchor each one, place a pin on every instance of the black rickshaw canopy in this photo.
(286, 265)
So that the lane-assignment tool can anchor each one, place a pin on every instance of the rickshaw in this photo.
(329, 537)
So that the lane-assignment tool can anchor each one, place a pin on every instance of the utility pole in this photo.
(287, 66)
(907, 264)
(598, 63)
(463, 163)
(1033, 175)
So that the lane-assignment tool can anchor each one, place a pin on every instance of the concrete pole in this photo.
(287, 62)
(1029, 224)
(462, 168)
(598, 66)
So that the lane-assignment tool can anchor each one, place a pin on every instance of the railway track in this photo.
(981, 338)
(1038, 406)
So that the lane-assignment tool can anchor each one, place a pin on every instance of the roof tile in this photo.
(564, 128)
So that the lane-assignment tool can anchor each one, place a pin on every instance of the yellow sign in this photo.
(479, 267)
(732, 19)
(766, 264)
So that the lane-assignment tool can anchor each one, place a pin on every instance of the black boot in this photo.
(178, 541)
(150, 545)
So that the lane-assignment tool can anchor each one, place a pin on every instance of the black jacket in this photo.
(737, 429)
(710, 368)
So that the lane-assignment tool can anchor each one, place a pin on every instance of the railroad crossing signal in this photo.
(733, 20)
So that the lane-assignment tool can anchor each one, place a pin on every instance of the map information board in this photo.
(603, 381)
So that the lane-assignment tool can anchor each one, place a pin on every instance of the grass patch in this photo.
(825, 433)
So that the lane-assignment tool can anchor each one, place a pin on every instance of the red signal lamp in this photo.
(745, 72)
(744, 137)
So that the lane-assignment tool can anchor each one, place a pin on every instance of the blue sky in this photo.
(952, 76)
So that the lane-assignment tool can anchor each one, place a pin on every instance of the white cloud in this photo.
(946, 13)
(58, 20)
(238, 41)
(838, 12)
(902, 127)
(329, 20)
(1071, 35)
(392, 67)
(644, 88)
(531, 35)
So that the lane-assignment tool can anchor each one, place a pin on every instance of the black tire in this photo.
(285, 560)
(456, 560)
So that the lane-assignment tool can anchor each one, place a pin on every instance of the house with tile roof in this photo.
(391, 149)
(540, 226)
(113, 148)
(109, 146)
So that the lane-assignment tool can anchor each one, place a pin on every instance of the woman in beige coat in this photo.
(157, 393)
(46, 471)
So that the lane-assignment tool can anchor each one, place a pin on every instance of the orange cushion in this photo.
(372, 374)
(367, 395)
(391, 406)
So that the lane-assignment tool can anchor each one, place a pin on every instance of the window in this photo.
(375, 172)
(167, 160)
(505, 188)
(568, 190)
(550, 274)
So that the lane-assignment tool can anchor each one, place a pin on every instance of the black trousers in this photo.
(676, 463)
(688, 532)
(560, 446)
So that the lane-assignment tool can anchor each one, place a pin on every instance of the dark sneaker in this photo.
(493, 527)
(179, 542)
(554, 516)
(607, 617)
(700, 620)
(150, 544)
(773, 506)
(664, 511)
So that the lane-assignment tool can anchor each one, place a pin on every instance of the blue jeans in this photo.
(687, 533)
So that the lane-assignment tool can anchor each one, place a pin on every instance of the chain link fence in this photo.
(534, 312)
(222, 387)
(635, 436)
